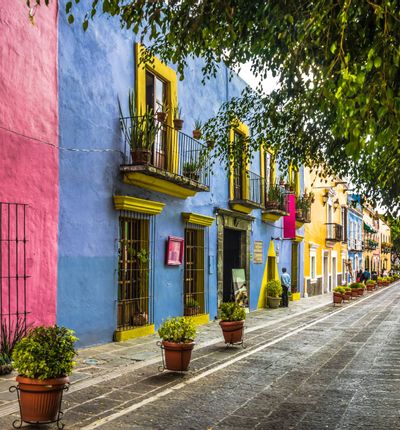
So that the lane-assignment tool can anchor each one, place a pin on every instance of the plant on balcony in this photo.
(192, 170)
(44, 359)
(192, 306)
(177, 336)
(162, 114)
(140, 131)
(197, 129)
(178, 121)
(274, 293)
(274, 197)
(303, 205)
(232, 317)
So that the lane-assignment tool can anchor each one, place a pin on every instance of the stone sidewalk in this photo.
(105, 362)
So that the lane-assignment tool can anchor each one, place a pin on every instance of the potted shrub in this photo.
(44, 359)
(357, 289)
(163, 112)
(347, 293)
(381, 281)
(274, 293)
(191, 169)
(140, 131)
(232, 317)
(338, 295)
(178, 121)
(192, 307)
(177, 336)
(370, 284)
(197, 129)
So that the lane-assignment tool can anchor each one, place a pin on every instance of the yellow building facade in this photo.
(325, 238)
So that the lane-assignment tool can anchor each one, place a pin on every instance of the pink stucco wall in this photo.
(28, 165)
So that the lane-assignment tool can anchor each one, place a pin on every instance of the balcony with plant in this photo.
(303, 208)
(159, 156)
(386, 247)
(247, 191)
(275, 202)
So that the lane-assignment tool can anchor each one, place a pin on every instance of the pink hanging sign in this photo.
(289, 222)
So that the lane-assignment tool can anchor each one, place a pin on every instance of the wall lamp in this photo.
(325, 198)
(336, 204)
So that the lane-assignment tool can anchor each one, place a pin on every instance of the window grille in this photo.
(195, 276)
(135, 274)
(13, 270)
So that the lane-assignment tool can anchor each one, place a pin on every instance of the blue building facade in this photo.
(354, 234)
(142, 239)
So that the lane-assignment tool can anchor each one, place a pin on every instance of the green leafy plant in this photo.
(274, 288)
(198, 124)
(231, 311)
(177, 329)
(177, 112)
(347, 289)
(10, 336)
(191, 302)
(370, 282)
(191, 167)
(357, 285)
(45, 353)
(140, 130)
(339, 290)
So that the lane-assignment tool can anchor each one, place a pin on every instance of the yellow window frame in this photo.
(242, 129)
(168, 75)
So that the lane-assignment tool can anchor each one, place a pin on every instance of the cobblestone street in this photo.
(330, 368)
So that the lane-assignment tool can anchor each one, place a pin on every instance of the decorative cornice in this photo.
(198, 219)
(134, 204)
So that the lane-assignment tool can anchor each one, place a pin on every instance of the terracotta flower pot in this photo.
(196, 134)
(141, 156)
(177, 355)
(354, 293)
(40, 400)
(337, 298)
(178, 124)
(360, 291)
(346, 296)
(232, 331)
(273, 302)
(161, 116)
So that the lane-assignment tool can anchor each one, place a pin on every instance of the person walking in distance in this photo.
(285, 281)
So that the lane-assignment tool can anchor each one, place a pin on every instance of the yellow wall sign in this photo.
(258, 252)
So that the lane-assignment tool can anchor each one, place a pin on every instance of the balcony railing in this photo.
(303, 210)
(334, 232)
(247, 187)
(276, 198)
(151, 142)
(355, 245)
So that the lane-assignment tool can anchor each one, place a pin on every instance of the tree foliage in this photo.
(337, 104)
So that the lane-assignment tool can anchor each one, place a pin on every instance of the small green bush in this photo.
(45, 353)
(339, 290)
(274, 288)
(177, 329)
(191, 303)
(370, 282)
(347, 289)
(357, 285)
(231, 312)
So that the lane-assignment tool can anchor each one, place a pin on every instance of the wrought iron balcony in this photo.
(303, 210)
(276, 198)
(247, 191)
(156, 155)
(334, 232)
(354, 245)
